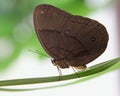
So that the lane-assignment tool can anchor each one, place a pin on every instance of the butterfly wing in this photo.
(90, 35)
(48, 22)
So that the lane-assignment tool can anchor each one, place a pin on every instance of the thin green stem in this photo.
(92, 70)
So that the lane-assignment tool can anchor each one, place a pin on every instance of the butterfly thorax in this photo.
(66, 63)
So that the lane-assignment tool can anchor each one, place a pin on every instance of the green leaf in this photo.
(90, 73)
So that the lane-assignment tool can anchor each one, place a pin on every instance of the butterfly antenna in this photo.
(39, 53)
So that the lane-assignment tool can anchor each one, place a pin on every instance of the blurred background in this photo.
(18, 45)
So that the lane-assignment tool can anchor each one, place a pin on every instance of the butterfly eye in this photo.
(93, 39)
(67, 33)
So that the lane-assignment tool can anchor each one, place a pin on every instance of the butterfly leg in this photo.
(75, 71)
(60, 72)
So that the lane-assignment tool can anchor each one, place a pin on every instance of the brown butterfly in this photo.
(69, 39)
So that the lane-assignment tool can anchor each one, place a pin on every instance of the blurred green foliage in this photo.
(16, 25)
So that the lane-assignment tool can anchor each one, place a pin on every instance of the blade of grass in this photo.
(93, 70)
(115, 65)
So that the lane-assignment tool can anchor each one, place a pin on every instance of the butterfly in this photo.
(70, 40)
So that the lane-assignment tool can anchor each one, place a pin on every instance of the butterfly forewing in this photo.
(48, 21)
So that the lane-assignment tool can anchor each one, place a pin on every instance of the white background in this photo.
(106, 85)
